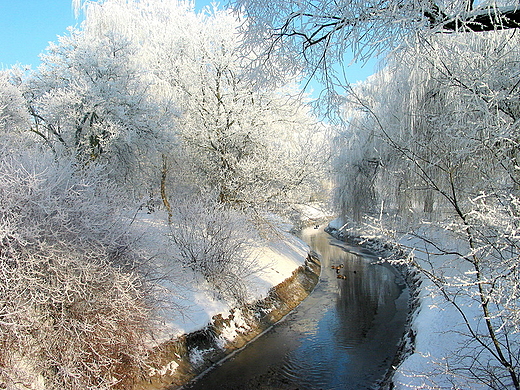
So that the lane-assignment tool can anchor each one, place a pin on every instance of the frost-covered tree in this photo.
(318, 33)
(14, 116)
(91, 99)
(215, 241)
(247, 142)
(440, 135)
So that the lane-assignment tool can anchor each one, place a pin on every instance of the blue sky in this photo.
(27, 27)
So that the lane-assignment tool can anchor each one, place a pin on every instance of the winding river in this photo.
(343, 336)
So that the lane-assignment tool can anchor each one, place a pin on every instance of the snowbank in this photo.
(192, 306)
(438, 328)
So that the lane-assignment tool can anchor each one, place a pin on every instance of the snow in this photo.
(167, 369)
(438, 327)
(238, 325)
(313, 212)
(435, 327)
(440, 345)
(337, 224)
(191, 302)
(279, 258)
(197, 355)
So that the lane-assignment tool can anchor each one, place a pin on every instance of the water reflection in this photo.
(343, 336)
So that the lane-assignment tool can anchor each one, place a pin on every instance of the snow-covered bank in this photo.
(437, 347)
(198, 326)
(442, 350)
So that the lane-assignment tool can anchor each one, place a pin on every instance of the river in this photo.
(343, 336)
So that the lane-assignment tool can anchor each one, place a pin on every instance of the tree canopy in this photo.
(318, 33)
(430, 148)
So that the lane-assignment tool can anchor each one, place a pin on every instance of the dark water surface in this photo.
(343, 336)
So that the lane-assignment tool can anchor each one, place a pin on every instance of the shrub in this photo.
(73, 310)
(215, 240)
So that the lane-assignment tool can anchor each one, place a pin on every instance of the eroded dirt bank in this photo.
(183, 359)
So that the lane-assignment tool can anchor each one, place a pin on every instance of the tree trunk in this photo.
(164, 197)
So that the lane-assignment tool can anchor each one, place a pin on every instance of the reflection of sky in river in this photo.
(342, 336)
(309, 364)
(335, 351)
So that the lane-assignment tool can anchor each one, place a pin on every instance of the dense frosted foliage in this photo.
(321, 37)
(147, 105)
(433, 139)
(253, 143)
(216, 241)
(68, 288)
(91, 100)
(13, 115)
(449, 107)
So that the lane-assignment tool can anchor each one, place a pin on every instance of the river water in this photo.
(343, 336)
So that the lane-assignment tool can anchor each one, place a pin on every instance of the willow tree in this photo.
(440, 133)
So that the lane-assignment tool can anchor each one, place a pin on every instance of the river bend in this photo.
(343, 336)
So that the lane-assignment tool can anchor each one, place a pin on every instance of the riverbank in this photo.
(201, 328)
(194, 353)
(184, 358)
(441, 348)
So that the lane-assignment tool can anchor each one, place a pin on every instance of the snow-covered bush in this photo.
(215, 241)
(73, 311)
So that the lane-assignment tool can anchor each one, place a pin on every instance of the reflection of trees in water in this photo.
(366, 289)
